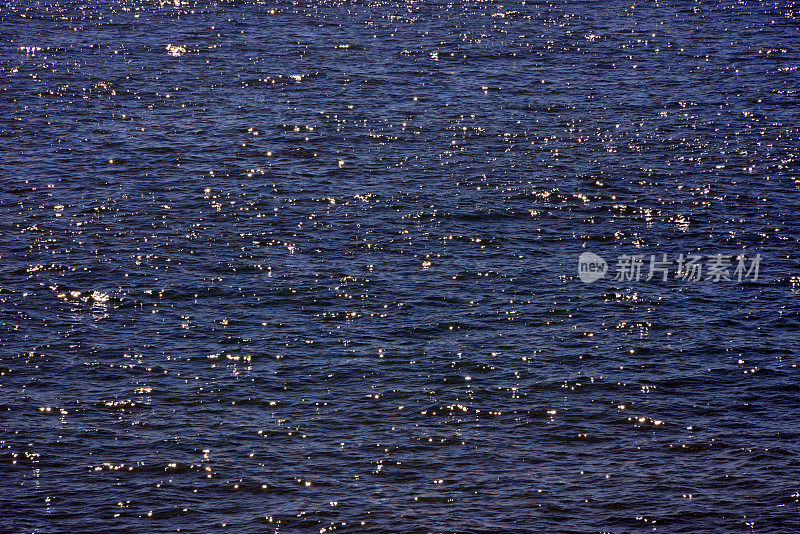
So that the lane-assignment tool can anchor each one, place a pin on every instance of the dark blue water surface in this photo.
(312, 266)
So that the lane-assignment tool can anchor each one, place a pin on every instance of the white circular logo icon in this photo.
(591, 267)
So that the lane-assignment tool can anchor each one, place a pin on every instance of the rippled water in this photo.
(311, 267)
